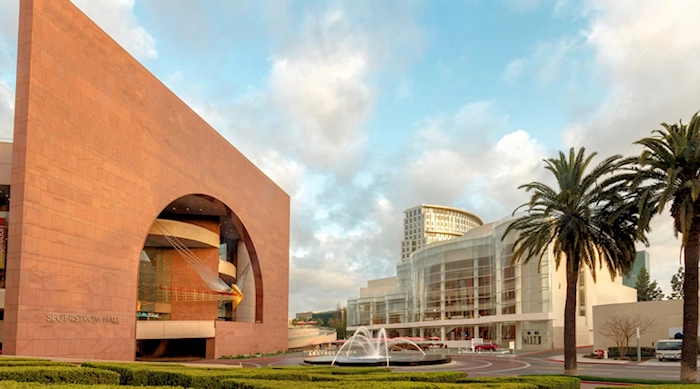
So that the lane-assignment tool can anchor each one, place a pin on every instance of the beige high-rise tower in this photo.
(425, 224)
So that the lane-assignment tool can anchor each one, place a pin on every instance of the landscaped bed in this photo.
(40, 374)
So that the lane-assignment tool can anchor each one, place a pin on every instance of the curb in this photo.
(547, 351)
(583, 361)
(590, 363)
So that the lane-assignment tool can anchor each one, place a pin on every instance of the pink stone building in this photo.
(132, 228)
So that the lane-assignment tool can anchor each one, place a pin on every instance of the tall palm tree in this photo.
(668, 171)
(589, 220)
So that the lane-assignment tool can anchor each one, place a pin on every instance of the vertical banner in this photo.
(3, 249)
(3, 242)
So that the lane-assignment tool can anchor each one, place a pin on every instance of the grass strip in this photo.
(626, 380)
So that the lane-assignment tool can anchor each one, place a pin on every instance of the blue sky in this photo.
(362, 109)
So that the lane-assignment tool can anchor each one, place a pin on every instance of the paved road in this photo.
(548, 362)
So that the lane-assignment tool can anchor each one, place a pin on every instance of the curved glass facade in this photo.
(465, 288)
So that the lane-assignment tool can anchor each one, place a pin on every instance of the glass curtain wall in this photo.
(155, 277)
(468, 278)
(455, 282)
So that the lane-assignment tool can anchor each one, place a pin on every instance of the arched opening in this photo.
(198, 265)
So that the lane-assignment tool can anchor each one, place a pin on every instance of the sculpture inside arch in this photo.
(198, 263)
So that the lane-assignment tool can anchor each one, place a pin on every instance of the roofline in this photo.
(449, 209)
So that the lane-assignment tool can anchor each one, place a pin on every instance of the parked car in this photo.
(486, 347)
(669, 349)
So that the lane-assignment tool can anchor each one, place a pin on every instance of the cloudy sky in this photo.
(361, 109)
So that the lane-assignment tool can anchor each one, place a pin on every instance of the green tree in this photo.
(668, 170)
(343, 323)
(647, 290)
(677, 284)
(589, 220)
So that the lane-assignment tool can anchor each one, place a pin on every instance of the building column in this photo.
(475, 265)
(442, 334)
(442, 291)
(422, 332)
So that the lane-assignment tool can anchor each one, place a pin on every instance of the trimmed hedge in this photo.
(647, 352)
(34, 362)
(59, 374)
(318, 377)
(667, 386)
(134, 374)
(541, 382)
(241, 383)
(436, 377)
(333, 370)
(36, 385)
(627, 380)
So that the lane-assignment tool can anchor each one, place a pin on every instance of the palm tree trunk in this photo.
(689, 353)
(570, 318)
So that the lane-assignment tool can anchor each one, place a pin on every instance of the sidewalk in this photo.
(581, 359)
(650, 362)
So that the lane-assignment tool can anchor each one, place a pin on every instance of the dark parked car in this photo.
(486, 347)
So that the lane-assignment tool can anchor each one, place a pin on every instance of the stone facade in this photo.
(101, 146)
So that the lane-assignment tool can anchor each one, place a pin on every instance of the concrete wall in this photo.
(380, 285)
(604, 290)
(303, 337)
(100, 148)
(667, 314)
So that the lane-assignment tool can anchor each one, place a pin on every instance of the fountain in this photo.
(375, 352)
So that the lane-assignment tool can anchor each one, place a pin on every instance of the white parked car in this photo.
(668, 349)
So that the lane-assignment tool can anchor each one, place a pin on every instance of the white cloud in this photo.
(559, 7)
(514, 70)
(647, 53)
(664, 251)
(552, 58)
(286, 173)
(469, 159)
(117, 18)
(649, 57)
(548, 63)
(9, 11)
(322, 84)
(7, 111)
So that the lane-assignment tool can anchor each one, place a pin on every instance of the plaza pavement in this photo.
(651, 362)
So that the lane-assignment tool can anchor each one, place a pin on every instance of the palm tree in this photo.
(589, 220)
(668, 171)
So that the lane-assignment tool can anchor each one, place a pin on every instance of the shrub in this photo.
(666, 386)
(541, 382)
(59, 374)
(141, 374)
(34, 362)
(626, 380)
(333, 370)
(36, 385)
(239, 383)
(647, 352)
(138, 375)
(436, 377)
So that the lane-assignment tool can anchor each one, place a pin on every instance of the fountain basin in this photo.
(368, 361)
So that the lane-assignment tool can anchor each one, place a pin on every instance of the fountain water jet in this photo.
(376, 352)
